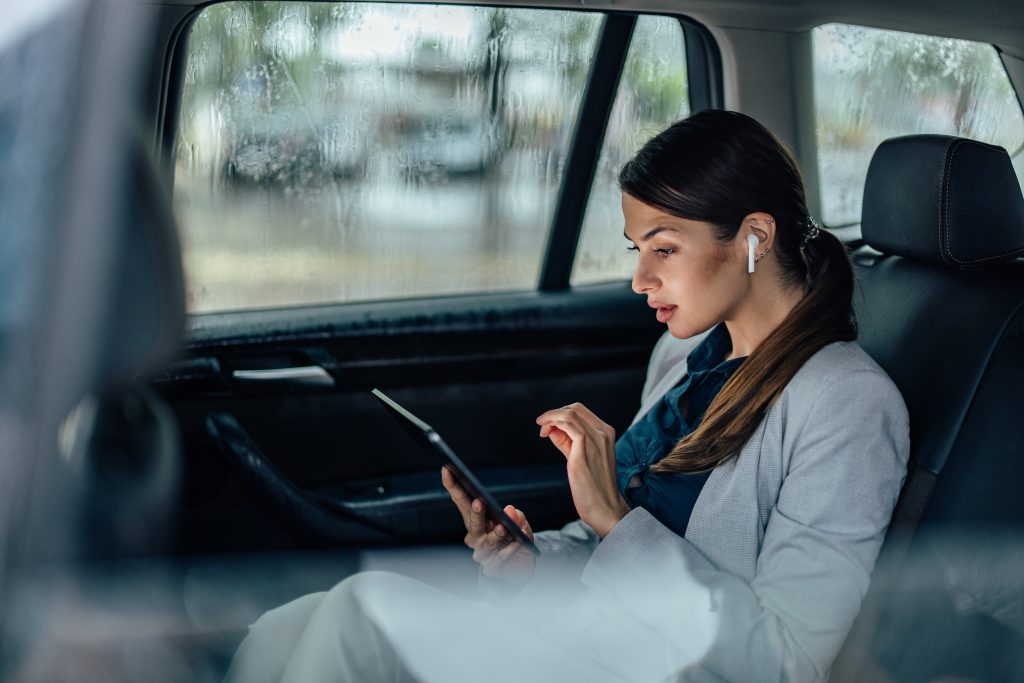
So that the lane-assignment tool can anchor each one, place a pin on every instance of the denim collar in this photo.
(711, 352)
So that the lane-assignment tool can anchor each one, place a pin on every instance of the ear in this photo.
(761, 224)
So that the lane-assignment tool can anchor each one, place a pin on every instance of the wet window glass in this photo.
(360, 151)
(870, 85)
(652, 94)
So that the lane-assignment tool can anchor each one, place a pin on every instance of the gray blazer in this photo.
(784, 536)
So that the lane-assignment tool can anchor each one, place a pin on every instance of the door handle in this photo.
(309, 375)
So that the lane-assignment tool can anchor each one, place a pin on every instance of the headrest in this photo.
(149, 314)
(943, 199)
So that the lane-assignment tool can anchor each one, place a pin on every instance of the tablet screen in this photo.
(431, 442)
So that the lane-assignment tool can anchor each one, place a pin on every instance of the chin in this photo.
(684, 330)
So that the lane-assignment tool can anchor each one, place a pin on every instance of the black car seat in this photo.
(940, 288)
(121, 441)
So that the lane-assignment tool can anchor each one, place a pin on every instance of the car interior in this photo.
(220, 456)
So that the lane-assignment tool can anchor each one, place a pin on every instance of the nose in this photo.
(643, 280)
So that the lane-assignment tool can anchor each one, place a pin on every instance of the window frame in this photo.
(704, 84)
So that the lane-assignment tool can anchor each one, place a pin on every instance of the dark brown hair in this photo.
(718, 167)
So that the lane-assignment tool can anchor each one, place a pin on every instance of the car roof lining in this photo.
(1000, 22)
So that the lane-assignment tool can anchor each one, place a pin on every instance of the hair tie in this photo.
(811, 230)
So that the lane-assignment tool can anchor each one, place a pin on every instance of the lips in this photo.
(664, 311)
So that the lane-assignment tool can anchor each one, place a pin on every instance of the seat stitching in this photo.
(951, 148)
(944, 218)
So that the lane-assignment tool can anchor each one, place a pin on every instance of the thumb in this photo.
(523, 524)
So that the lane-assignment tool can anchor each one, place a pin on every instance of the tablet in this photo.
(431, 442)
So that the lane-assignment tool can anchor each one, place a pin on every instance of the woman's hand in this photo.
(588, 445)
(497, 551)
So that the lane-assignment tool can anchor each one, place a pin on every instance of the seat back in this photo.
(121, 442)
(940, 290)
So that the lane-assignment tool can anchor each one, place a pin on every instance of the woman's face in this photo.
(692, 279)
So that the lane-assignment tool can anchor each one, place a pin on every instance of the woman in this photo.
(760, 473)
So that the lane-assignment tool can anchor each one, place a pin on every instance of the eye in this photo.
(665, 251)
(633, 248)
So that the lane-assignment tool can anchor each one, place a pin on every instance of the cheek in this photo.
(726, 283)
(709, 278)
(709, 289)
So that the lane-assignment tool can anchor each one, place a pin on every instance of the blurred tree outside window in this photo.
(332, 153)
(871, 84)
(652, 94)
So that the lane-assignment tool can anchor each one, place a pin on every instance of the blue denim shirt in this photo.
(670, 497)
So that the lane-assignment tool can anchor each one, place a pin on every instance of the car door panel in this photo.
(478, 369)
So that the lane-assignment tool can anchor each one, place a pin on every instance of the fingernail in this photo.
(499, 530)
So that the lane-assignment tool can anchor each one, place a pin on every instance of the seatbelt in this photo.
(854, 662)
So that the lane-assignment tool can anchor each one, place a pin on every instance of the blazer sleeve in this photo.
(845, 469)
(563, 554)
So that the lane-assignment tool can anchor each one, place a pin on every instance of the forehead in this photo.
(633, 207)
(642, 219)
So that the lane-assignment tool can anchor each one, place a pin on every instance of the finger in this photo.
(513, 514)
(588, 418)
(498, 539)
(458, 495)
(502, 530)
(548, 427)
(570, 415)
(516, 515)
(477, 521)
(498, 533)
(520, 519)
(576, 432)
(549, 415)
(483, 556)
(508, 551)
(493, 562)
(524, 524)
(487, 545)
(560, 413)
(449, 482)
(559, 439)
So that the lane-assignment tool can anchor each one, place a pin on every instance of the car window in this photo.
(871, 84)
(363, 151)
(652, 93)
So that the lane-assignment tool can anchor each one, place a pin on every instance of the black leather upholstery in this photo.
(944, 200)
(939, 201)
(150, 313)
(942, 311)
(121, 443)
(934, 331)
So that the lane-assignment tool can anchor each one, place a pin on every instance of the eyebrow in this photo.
(650, 233)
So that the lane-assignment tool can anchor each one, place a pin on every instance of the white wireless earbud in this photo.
(752, 242)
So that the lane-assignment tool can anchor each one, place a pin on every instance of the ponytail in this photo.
(823, 316)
